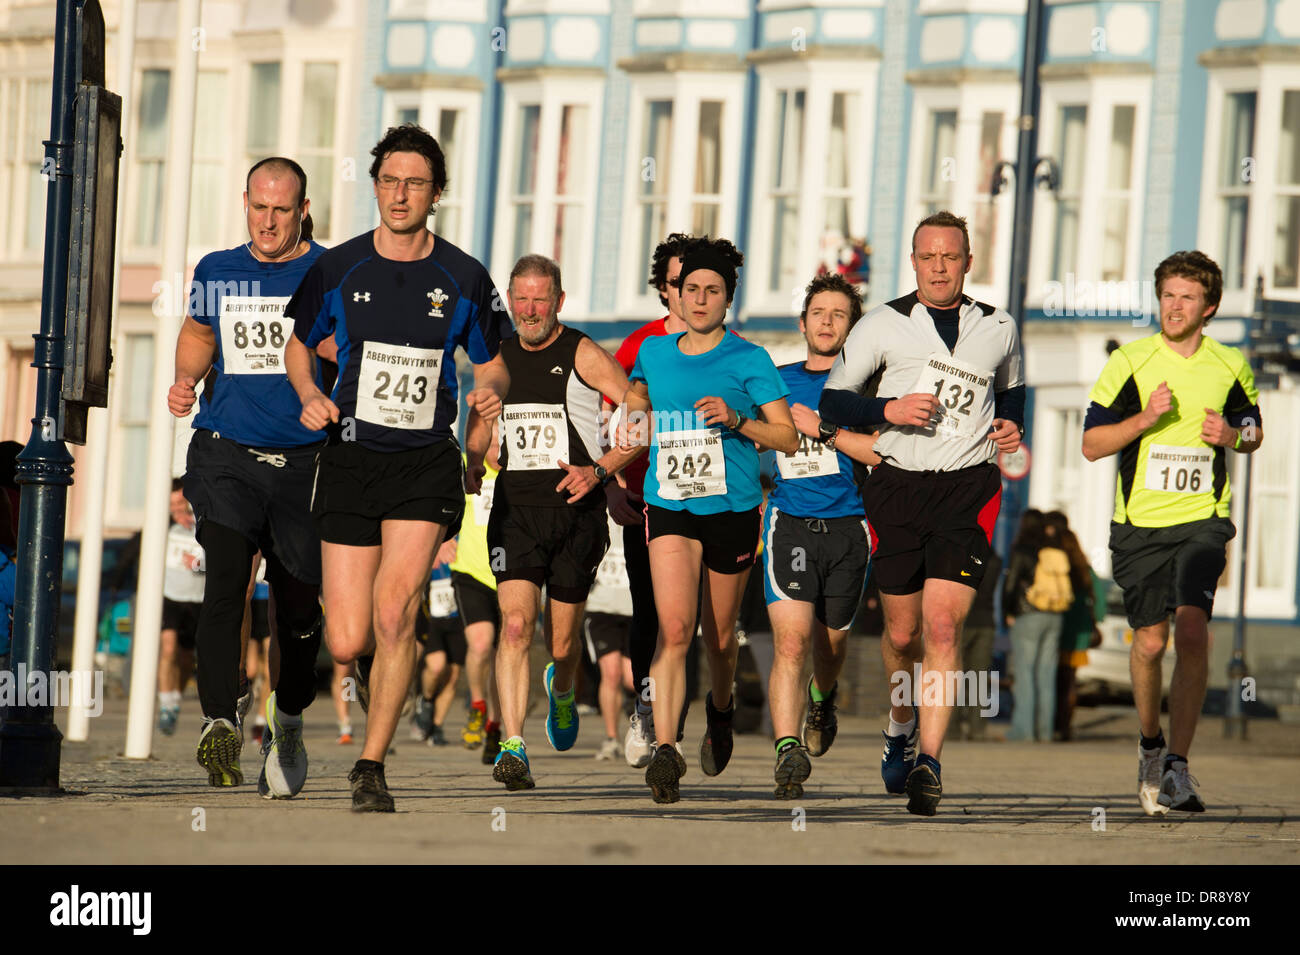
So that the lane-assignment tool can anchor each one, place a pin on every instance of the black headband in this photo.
(714, 261)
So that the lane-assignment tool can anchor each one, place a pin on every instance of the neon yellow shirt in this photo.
(471, 545)
(1170, 476)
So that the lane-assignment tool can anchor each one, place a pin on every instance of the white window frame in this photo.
(820, 79)
(686, 91)
(552, 93)
(1100, 95)
(1267, 81)
(16, 167)
(462, 172)
(970, 101)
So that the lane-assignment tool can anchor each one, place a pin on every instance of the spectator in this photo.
(1035, 596)
(977, 647)
(1079, 630)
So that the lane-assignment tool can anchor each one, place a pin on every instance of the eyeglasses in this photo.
(412, 185)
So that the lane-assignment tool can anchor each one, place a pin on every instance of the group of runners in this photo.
(326, 442)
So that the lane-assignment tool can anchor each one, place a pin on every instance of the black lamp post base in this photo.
(29, 757)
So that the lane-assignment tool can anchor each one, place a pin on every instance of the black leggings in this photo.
(228, 556)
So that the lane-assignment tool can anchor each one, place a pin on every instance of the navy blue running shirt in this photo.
(814, 481)
(242, 300)
(397, 325)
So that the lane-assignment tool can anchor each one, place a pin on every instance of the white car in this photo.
(1107, 671)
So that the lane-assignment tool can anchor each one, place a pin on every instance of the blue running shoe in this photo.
(562, 718)
(511, 766)
(899, 758)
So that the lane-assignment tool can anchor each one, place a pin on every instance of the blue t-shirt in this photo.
(814, 481)
(242, 300)
(683, 471)
(397, 325)
(8, 587)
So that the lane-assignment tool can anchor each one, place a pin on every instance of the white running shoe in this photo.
(639, 743)
(609, 749)
(1150, 763)
(286, 757)
(1177, 792)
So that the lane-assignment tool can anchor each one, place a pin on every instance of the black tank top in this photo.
(550, 414)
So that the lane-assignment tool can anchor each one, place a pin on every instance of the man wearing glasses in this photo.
(397, 302)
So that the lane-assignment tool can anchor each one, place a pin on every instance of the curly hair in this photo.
(674, 246)
(833, 282)
(411, 138)
(1194, 266)
(723, 247)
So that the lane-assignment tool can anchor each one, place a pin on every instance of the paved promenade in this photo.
(1003, 803)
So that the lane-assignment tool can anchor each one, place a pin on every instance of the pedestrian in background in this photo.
(1079, 629)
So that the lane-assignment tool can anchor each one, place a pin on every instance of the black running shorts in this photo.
(730, 538)
(183, 617)
(931, 524)
(446, 634)
(1163, 568)
(357, 489)
(606, 633)
(560, 547)
(823, 562)
(476, 602)
(263, 494)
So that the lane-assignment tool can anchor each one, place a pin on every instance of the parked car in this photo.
(117, 579)
(1106, 674)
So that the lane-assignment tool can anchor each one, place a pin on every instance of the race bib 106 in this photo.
(536, 436)
(813, 459)
(398, 385)
(962, 390)
(690, 464)
(1181, 470)
(253, 333)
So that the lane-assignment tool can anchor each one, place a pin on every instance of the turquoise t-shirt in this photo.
(694, 467)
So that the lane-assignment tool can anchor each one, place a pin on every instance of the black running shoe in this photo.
(792, 768)
(491, 745)
(665, 771)
(923, 787)
(820, 725)
(363, 681)
(715, 748)
(369, 788)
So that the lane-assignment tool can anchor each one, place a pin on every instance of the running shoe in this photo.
(218, 752)
(364, 664)
(609, 749)
(1177, 792)
(664, 774)
(1150, 768)
(345, 735)
(369, 788)
(422, 720)
(562, 717)
(491, 745)
(511, 766)
(899, 758)
(472, 734)
(285, 765)
(715, 747)
(792, 768)
(437, 737)
(243, 704)
(168, 716)
(639, 743)
(820, 725)
(923, 787)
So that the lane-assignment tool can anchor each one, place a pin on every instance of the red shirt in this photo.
(634, 473)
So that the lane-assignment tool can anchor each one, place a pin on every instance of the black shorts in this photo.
(730, 538)
(357, 489)
(261, 619)
(558, 546)
(931, 524)
(183, 617)
(1163, 568)
(446, 634)
(262, 493)
(476, 602)
(821, 561)
(606, 633)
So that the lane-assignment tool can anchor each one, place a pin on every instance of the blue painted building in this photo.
(589, 129)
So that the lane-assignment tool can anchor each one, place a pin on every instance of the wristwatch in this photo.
(602, 475)
(826, 434)
(740, 422)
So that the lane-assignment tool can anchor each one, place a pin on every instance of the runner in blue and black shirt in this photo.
(396, 303)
